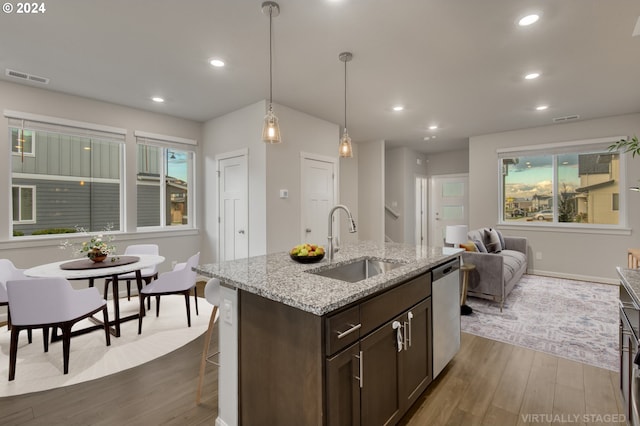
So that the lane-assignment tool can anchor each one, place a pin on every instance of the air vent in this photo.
(566, 118)
(24, 76)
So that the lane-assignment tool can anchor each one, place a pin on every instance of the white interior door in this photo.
(421, 223)
(233, 207)
(449, 202)
(318, 197)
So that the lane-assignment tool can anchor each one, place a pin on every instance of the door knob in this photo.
(307, 230)
(241, 231)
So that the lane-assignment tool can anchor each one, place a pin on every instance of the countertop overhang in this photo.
(630, 279)
(277, 277)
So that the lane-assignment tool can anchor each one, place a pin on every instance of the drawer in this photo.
(382, 308)
(342, 329)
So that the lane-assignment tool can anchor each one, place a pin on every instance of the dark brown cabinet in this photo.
(416, 360)
(343, 387)
(375, 381)
(365, 364)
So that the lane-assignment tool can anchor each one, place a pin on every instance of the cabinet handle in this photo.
(410, 316)
(360, 380)
(396, 326)
(353, 328)
(405, 327)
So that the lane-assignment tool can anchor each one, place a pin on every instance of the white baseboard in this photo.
(603, 280)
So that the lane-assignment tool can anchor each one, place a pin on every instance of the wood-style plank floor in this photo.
(487, 383)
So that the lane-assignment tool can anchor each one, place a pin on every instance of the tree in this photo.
(565, 205)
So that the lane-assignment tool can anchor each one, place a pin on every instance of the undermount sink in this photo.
(358, 270)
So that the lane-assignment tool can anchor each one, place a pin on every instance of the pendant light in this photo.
(270, 129)
(345, 149)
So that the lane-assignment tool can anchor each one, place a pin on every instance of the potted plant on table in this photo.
(98, 248)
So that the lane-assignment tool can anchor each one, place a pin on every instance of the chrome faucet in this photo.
(352, 227)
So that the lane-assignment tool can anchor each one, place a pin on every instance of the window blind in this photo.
(22, 120)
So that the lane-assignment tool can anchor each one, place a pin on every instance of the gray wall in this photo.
(349, 193)
(576, 253)
(449, 162)
(371, 191)
(274, 223)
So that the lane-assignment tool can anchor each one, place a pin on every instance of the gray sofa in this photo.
(495, 274)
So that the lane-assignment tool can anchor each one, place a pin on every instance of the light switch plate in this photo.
(284, 193)
(227, 311)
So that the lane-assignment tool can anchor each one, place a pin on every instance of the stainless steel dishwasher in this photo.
(445, 298)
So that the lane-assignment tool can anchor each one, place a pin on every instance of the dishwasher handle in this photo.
(446, 269)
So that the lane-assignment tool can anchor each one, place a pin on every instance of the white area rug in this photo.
(90, 358)
(576, 320)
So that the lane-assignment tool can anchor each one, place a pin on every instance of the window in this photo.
(23, 203)
(72, 178)
(164, 182)
(22, 142)
(568, 184)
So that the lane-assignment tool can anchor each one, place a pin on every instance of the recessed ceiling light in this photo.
(434, 127)
(398, 108)
(528, 20)
(542, 107)
(217, 63)
(532, 76)
(157, 99)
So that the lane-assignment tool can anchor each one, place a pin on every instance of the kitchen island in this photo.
(297, 347)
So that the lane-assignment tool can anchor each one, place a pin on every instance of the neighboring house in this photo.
(599, 192)
(61, 181)
(541, 202)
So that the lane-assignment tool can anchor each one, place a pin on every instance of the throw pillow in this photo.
(492, 241)
(469, 246)
(502, 244)
(480, 246)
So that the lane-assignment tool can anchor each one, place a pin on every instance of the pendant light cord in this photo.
(270, 58)
(345, 96)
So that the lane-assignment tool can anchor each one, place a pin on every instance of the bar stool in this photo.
(212, 294)
(466, 268)
(633, 258)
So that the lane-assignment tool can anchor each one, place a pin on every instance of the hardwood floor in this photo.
(494, 383)
(487, 383)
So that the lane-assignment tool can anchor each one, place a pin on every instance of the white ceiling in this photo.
(456, 63)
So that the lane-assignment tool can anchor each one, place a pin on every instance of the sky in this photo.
(534, 175)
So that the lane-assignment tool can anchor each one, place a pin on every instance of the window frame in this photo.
(33, 205)
(167, 144)
(72, 129)
(31, 153)
(554, 150)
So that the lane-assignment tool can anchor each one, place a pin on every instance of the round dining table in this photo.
(85, 269)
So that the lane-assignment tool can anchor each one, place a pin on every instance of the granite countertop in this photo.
(277, 277)
(630, 278)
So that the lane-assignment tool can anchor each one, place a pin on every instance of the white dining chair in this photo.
(148, 274)
(8, 271)
(41, 303)
(212, 294)
(178, 281)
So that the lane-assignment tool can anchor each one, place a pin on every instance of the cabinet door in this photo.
(380, 397)
(415, 359)
(343, 387)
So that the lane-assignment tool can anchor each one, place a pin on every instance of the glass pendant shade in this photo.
(346, 151)
(271, 129)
